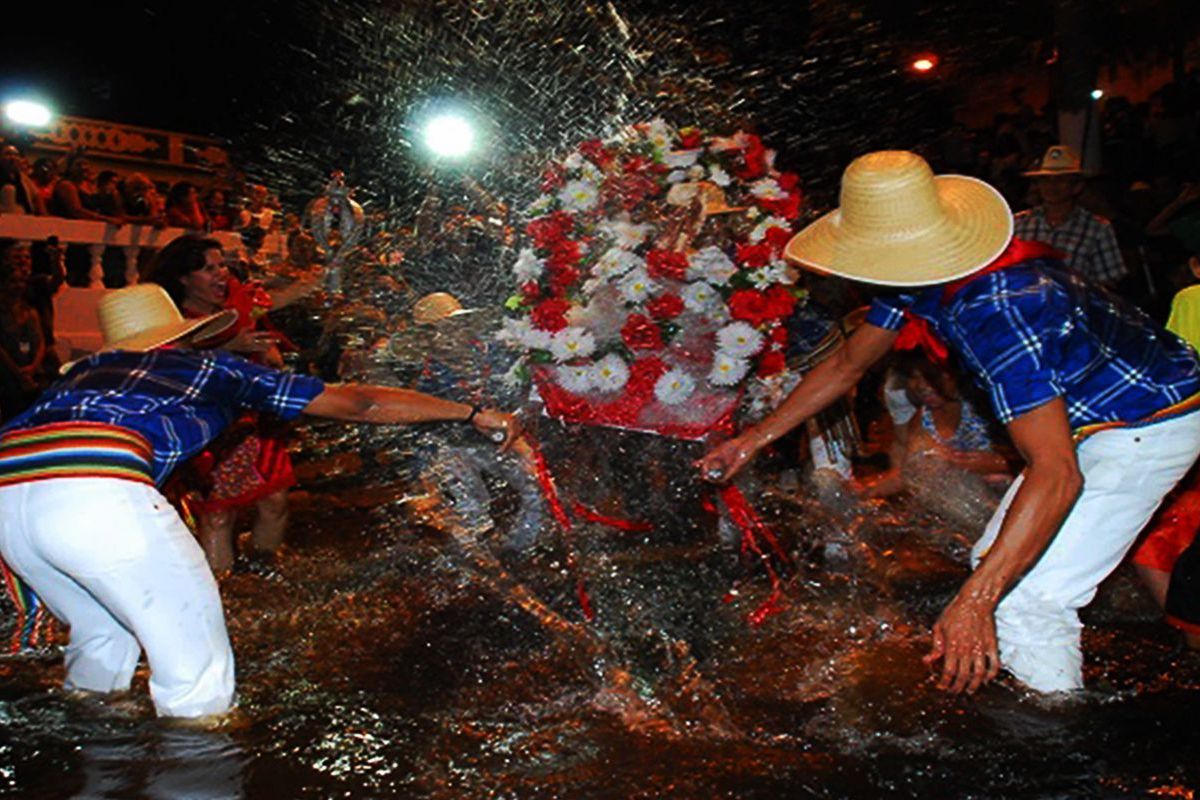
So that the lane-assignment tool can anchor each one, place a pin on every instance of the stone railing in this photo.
(132, 239)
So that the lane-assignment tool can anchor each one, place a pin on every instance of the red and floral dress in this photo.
(250, 461)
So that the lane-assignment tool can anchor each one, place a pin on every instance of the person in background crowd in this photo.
(108, 195)
(75, 195)
(217, 206)
(142, 202)
(184, 209)
(1087, 240)
(44, 176)
(22, 346)
(1099, 400)
(83, 523)
(25, 194)
(251, 465)
(946, 427)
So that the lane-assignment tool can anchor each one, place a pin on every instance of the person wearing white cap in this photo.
(82, 521)
(1086, 239)
(1099, 400)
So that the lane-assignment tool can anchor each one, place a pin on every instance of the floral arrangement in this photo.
(651, 286)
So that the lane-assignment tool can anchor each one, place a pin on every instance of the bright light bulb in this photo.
(924, 64)
(449, 135)
(28, 113)
(1097, 94)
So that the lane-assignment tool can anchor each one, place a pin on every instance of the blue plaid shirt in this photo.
(1036, 331)
(179, 400)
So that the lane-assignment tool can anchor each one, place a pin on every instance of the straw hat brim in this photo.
(199, 328)
(1049, 173)
(974, 230)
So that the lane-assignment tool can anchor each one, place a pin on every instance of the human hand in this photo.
(251, 341)
(1191, 191)
(500, 427)
(727, 459)
(964, 639)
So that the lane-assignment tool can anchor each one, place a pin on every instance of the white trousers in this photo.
(113, 560)
(1126, 474)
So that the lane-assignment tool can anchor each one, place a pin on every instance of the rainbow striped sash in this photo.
(74, 450)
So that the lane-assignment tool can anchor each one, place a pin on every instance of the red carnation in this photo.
(531, 291)
(640, 333)
(597, 153)
(780, 302)
(562, 277)
(690, 138)
(779, 335)
(552, 178)
(754, 160)
(788, 181)
(749, 305)
(564, 253)
(771, 363)
(547, 230)
(631, 190)
(754, 255)
(787, 206)
(665, 306)
(666, 264)
(777, 237)
(550, 315)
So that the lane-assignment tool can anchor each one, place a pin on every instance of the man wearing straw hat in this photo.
(81, 519)
(1087, 240)
(1097, 398)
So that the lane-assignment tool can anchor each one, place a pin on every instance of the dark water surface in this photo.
(381, 658)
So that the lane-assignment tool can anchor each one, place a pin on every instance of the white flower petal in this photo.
(727, 370)
(674, 387)
(739, 340)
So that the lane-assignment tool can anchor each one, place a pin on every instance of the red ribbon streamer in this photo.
(751, 526)
(631, 526)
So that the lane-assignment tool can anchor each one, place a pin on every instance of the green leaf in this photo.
(515, 303)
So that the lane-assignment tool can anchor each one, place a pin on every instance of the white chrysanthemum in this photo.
(579, 196)
(610, 374)
(767, 276)
(616, 262)
(699, 296)
(591, 172)
(540, 206)
(727, 370)
(739, 339)
(520, 332)
(625, 235)
(677, 176)
(528, 267)
(573, 161)
(590, 286)
(637, 286)
(659, 134)
(681, 159)
(719, 176)
(572, 343)
(674, 387)
(760, 230)
(712, 265)
(575, 378)
(767, 188)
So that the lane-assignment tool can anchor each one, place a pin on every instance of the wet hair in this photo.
(181, 257)
(105, 177)
(911, 363)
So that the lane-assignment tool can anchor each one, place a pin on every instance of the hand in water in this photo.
(727, 459)
(501, 428)
(964, 638)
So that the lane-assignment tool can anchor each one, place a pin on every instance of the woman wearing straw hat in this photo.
(1097, 398)
(81, 519)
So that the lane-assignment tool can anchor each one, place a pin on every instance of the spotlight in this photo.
(924, 63)
(449, 135)
(27, 113)
(1097, 94)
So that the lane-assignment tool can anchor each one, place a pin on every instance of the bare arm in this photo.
(68, 195)
(386, 405)
(827, 382)
(965, 634)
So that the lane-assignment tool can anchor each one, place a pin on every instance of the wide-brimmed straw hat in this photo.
(1058, 160)
(143, 317)
(899, 225)
(437, 306)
